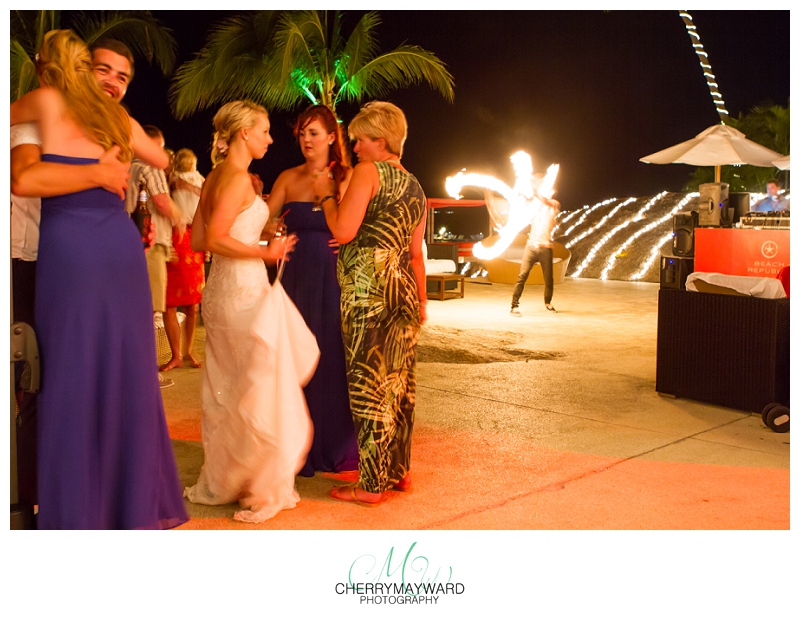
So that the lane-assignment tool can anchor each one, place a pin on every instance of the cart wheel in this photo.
(778, 419)
(766, 410)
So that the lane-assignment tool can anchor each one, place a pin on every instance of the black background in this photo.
(591, 90)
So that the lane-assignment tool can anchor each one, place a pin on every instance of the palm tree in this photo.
(768, 125)
(282, 58)
(139, 30)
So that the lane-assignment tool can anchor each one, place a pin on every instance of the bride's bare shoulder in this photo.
(227, 187)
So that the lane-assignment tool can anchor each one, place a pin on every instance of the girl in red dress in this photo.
(185, 272)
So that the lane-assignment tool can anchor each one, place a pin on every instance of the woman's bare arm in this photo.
(345, 218)
(198, 238)
(27, 108)
(32, 177)
(147, 149)
(221, 206)
(277, 195)
(418, 267)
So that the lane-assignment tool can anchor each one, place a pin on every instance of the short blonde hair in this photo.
(228, 121)
(381, 119)
(184, 161)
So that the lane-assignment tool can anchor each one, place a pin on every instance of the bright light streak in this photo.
(703, 57)
(607, 237)
(613, 258)
(546, 186)
(585, 215)
(569, 216)
(599, 224)
(521, 199)
(453, 185)
(654, 254)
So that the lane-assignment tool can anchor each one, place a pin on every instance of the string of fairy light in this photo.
(705, 65)
(564, 217)
(655, 252)
(618, 259)
(607, 237)
(587, 213)
(612, 259)
(599, 224)
(581, 215)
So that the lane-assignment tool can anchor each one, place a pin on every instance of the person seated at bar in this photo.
(773, 201)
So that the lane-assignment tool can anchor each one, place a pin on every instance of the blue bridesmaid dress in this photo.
(105, 457)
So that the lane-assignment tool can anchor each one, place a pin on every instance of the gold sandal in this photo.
(353, 497)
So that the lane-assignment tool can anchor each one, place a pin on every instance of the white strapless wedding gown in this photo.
(259, 355)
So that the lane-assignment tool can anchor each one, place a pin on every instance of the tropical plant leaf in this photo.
(282, 58)
(23, 71)
(29, 27)
(139, 30)
(361, 46)
(231, 65)
(406, 65)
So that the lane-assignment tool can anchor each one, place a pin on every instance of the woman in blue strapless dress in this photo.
(309, 278)
(105, 457)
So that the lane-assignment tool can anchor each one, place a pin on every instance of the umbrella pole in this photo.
(717, 174)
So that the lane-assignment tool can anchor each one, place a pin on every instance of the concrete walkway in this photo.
(548, 421)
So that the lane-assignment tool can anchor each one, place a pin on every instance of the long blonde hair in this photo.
(229, 119)
(64, 63)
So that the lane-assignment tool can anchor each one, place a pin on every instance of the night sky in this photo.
(591, 90)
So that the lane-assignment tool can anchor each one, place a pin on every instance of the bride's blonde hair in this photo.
(64, 63)
(230, 119)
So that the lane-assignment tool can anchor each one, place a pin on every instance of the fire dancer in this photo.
(538, 249)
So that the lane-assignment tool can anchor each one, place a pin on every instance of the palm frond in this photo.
(139, 30)
(767, 125)
(281, 58)
(405, 66)
(228, 67)
(29, 27)
(361, 46)
(297, 41)
(23, 71)
(336, 41)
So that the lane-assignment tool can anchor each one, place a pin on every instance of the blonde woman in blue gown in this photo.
(105, 457)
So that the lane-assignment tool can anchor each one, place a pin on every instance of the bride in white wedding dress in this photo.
(259, 352)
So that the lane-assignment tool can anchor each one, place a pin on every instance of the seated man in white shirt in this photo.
(774, 200)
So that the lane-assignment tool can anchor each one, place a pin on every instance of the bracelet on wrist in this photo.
(320, 203)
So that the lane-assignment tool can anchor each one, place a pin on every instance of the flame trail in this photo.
(522, 199)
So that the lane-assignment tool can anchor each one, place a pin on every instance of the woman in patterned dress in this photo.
(380, 224)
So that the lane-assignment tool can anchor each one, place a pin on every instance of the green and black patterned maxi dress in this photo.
(380, 325)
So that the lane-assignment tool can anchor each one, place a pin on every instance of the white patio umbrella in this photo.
(782, 163)
(717, 146)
